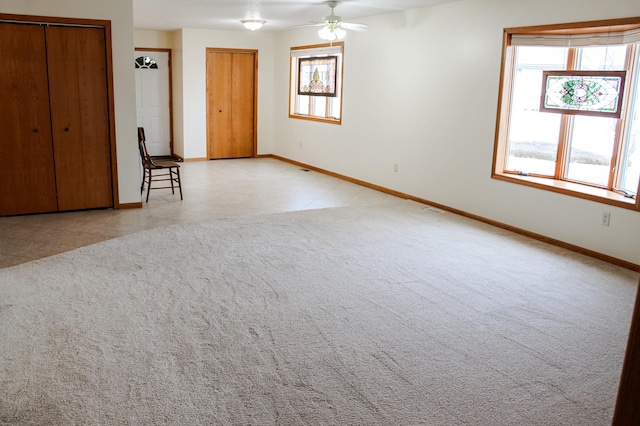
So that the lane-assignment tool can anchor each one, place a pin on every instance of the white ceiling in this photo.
(281, 14)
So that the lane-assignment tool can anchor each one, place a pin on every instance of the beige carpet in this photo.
(390, 315)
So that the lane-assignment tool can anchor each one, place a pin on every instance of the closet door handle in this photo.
(66, 129)
(35, 130)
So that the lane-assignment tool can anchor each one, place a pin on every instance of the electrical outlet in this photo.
(395, 167)
(606, 218)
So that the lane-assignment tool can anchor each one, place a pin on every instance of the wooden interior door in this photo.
(219, 130)
(80, 116)
(231, 104)
(27, 179)
(153, 99)
(243, 104)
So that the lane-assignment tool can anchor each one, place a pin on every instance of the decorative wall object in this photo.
(317, 76)
(583, 92)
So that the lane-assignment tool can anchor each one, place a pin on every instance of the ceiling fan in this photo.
(333, 27)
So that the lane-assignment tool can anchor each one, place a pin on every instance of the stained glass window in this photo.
(317, 76)
(146, 62)
(583, 92)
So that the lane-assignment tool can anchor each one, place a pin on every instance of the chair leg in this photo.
(144, 179)
(171, 179)
(179, 182)
(149, 186)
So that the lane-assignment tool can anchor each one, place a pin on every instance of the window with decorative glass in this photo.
(316, 83)
(146, 62)
(569, 111)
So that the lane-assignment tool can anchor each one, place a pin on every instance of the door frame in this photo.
(167, 51)
(106, 26)
(254, 53)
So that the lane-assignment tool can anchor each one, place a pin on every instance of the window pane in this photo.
(602, 58)
(146, 62)
(630, 162)
(318, 106)
(303, 105)
(533, 135)
(591, 148)
(592, 138)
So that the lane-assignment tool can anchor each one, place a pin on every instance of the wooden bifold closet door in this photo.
(231, 104)
(80, 117)
(55, 119)
(27, 176)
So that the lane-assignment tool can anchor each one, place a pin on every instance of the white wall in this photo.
(421, 90)
(153, 39)
(120, 13)
(178, 94)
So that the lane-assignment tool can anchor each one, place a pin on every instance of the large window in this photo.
(316, 83)
(569, 113)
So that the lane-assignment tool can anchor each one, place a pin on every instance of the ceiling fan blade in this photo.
(354, 27)
(311, 24)
(334, 21)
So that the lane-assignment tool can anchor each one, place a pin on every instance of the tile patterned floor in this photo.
(212, 189)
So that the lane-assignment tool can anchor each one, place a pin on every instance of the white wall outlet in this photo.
(395, 167)
(606, 218)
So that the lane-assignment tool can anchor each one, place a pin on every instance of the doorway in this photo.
(153, 99)
(231, 103)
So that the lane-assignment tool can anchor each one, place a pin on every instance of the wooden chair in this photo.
(155, 171)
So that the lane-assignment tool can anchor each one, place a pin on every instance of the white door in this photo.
(152, 99)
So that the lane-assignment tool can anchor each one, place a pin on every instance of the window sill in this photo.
(572, 189)
(318, 119)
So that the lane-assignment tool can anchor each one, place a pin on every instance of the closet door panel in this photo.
(27, 181)
(219, 105)
(243, 93)
(80, 116)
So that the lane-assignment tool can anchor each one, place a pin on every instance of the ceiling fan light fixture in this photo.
(331, 33)
(253, 24)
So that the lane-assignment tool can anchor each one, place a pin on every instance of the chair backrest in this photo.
(142, 146)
